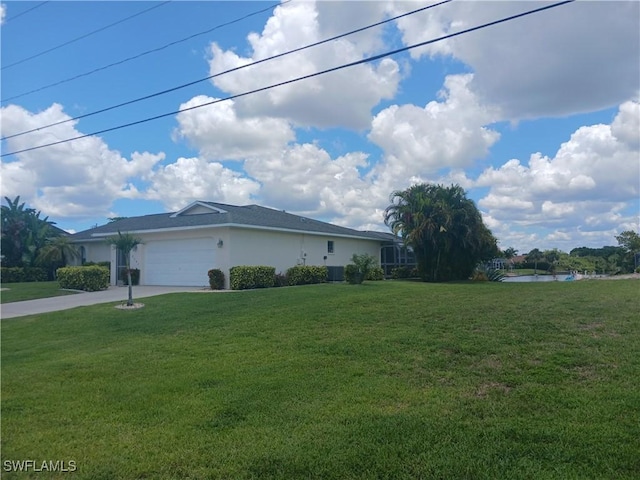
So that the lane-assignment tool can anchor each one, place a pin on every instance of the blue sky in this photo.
(538, 118)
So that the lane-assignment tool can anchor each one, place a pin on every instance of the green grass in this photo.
(19, 292)
(387, 380)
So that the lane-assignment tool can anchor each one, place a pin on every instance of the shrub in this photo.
(483, 274)
(23, 274)
(135, 276)
(244, 277)
(307, 274)
(376, 273)
(357, 271)
(100, 264)
(216, 279)
(352, 275)
(400, 272)
(89, 279)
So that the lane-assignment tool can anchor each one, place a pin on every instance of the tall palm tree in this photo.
(126, 243)
(443, 227)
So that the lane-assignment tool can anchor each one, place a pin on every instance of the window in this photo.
(330, 246)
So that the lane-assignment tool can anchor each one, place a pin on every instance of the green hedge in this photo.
(307, 274)
(23, 274)
(376, 273)
(404, 272)
(89, 279)
(100, 264)
(244, 277)
(216, 279)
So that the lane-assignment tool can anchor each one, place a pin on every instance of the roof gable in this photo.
(198, 208)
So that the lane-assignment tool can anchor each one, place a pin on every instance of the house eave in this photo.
(101, 236)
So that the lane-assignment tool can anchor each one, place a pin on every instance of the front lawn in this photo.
(387, 380)
(18, 292)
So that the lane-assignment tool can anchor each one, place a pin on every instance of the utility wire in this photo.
(85, 35)
(163, 92)
(154, 50)
(340, 67)
(24, 12)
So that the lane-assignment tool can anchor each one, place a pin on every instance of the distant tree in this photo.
(535, 256)
(509, 253)
(126, 243)
(116, 219)
(552, 257)
(443, 227)
(630, 243)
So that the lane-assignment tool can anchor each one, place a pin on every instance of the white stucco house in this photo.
(179, 248)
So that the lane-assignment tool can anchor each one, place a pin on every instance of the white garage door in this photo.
(179, 262)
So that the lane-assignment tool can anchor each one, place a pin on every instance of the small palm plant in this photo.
(126, 243)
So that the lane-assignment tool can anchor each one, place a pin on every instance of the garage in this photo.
(179, 262)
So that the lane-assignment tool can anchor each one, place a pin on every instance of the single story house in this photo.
(179, 248)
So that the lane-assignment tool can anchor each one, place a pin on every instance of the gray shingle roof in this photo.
(248, 216)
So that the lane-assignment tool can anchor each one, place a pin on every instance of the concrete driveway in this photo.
(112, 294)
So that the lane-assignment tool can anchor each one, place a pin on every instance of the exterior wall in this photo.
(283, 250)
(246, 246)
(94, 252)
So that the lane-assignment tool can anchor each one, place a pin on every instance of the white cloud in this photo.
(342, 98)
(417, 142)
(590, 185)
(189, 179)
(219, 133)
(3, 13)
(626, 125)
(74, 179)
(579, 57)
(307, 174)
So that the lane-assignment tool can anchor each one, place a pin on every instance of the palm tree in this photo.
(443, 227)
(58, 251)
(125, 242)
(24, 233)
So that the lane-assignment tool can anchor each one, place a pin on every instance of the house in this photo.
(179, 248)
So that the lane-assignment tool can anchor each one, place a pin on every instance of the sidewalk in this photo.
(112, 294)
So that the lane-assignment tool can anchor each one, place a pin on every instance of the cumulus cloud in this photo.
(590, 185)
(3, 13)
(418, 142)
(75, 179)
(342, 98)
(188, 179)
(579, 57)
(308, 174)
(219, 133)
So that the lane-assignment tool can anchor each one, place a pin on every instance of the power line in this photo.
(173, 89)
(134, 57)
(305, 77)
(85, 35)
(24, 12)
